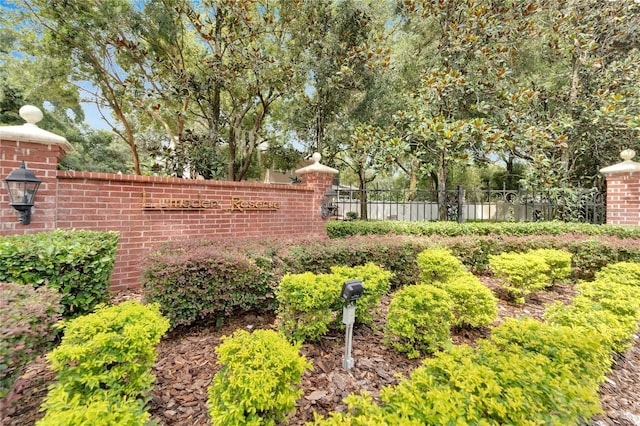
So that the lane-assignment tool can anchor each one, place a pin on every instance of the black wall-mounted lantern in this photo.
(328, 207)
(22, 185)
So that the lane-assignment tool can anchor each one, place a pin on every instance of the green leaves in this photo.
(419, 320)
(257, 382)
(27, 316)
(103, 366)
(308, 304)
(78, 264)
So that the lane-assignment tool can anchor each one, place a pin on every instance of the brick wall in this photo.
(623, 198)
(43, 159)
(146, 211)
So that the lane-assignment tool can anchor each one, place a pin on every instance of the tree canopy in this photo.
(546, 90)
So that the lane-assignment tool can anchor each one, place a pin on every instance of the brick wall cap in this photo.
(30, 132)
(316, 166)
(626, 166)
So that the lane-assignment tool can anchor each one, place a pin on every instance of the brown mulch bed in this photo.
(187, 362)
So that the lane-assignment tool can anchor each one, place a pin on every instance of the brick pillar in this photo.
(40, 150)
(320, 178)
(623, 191)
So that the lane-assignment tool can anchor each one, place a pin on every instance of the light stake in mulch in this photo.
(351, 291)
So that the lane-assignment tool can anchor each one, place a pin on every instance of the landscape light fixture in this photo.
(22, 185)
(351, 291)
(328, 206)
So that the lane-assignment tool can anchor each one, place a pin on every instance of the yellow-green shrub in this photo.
(474, 305)
(98, 410)
(306, 304)
(520, 274)
(611, 295)
(257, 384)
(627, 273)
(486, 385)
(419, 320)
(586, 355)
(559, 262)
(591, 317)
(438, 264)
(363, 411)
(309, 304)
(377, 283)
(104, 357)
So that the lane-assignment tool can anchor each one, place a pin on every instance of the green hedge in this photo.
(243, 275)
(77, 264)
(103, 367)
(341, 229)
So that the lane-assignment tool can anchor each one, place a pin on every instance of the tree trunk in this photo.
(363, 197)
(413, 178)
(442, 186)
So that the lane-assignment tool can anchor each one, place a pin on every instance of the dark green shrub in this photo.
(419, 320)
(559, 262)
(257, 384)
(104, 363)
(439, 264)
(376, 282)
(27, 316)
(520, 274)
(198, 282)
(77, 264)
(474, 305)
(341, 229)
(307, 304)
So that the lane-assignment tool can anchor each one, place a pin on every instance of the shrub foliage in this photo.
(27, 316)
(419, 320)
(77, 264)
(257, 384)
(103, 367)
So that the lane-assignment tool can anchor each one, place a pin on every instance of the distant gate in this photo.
(581, 205)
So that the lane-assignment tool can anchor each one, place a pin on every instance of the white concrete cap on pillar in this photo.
(316, 166)
(30, 132)
(628, 165)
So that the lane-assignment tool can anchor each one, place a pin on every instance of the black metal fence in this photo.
(569, 205)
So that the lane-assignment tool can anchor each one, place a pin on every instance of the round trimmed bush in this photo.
(419, 320)
(559, 262)
(520, 274)
(438, 264)
(258, 381)
(474, 305)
